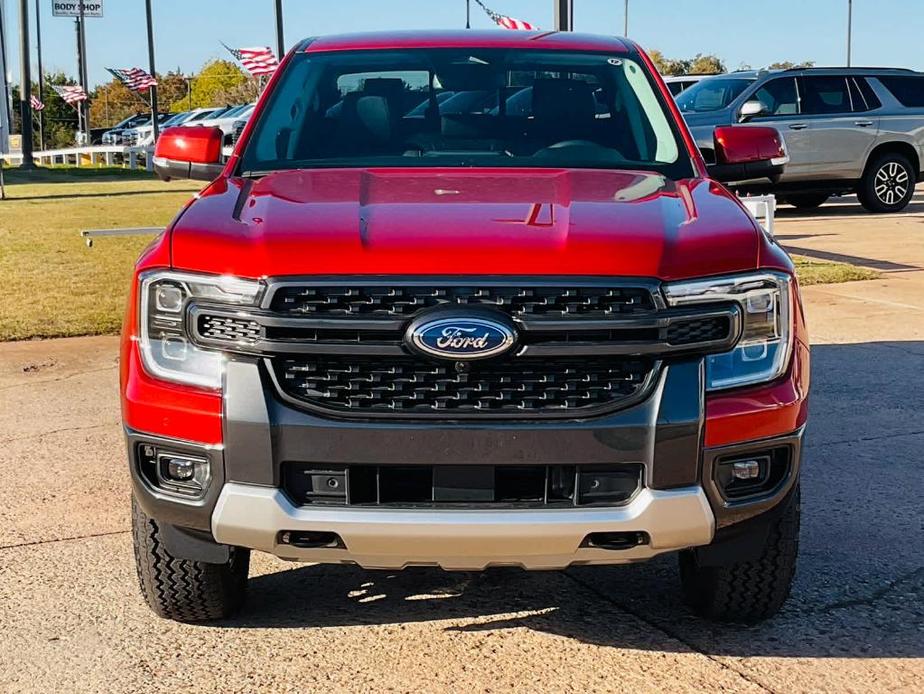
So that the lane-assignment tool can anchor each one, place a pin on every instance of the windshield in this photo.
(711, 94)
(504, 108)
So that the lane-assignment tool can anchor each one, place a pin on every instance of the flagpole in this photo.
(152, 89)
(625, 24)
(468, 14)
(25, 88)
(41, 72)
(280, 40)
(849, 28)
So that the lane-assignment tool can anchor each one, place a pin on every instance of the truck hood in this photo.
(470, 222)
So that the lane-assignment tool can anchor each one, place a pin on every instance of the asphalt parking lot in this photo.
(71, 618)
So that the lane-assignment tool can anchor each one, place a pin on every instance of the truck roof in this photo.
(492, 38)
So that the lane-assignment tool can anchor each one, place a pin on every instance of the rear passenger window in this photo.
(779, 96)
(825, 95)
(908, 90)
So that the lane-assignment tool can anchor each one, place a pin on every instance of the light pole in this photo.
(625, 23)
(849, 28)
(468, 14)
(152, 90)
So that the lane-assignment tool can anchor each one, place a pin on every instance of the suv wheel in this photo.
(746, 591)
(182, 589)
(807, 201)
(888, 184)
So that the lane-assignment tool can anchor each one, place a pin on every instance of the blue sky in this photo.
(187, 32)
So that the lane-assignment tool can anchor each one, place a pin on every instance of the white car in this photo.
(143, 135)
(226, 120)
(680, 82)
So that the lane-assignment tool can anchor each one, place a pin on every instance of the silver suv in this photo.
(848, 130)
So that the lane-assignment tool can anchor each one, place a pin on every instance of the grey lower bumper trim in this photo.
(253, 516)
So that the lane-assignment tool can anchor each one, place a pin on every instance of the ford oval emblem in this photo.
(461, 338)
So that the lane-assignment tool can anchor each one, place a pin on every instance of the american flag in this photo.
(505, 21)
(257, 61)
(36, 103)
(134, 78)
(72, 94)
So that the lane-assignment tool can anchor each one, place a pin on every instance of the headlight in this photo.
(166, 350)
(762, 353)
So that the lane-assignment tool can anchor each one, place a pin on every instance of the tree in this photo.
(787, 65)
(60, 117)
(113, 102)
(214, 85)
(706, 65)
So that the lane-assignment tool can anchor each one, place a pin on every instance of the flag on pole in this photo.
(72, 94)
(257, 61)
(505, 21)
(134, 78)
(36, 104)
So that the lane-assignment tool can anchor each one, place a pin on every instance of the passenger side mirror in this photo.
(189, 152)
(744, 152)
(752, 109)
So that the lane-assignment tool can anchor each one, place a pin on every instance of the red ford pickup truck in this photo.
(465, 299)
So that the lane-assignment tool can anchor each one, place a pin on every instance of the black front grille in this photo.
(409, 385)
(697, 330)
(228, 328)
(519, 302)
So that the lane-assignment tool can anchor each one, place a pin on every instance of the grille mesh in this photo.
(698, 330)
(414, 386)
(552, 302)
(229, 329)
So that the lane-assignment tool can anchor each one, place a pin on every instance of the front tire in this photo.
(182, 589)
(888, 184)
(746, 591)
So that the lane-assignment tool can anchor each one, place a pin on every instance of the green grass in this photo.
(812, 271)
(54, 285)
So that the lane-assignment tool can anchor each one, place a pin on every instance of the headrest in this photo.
(555, 99)
(374, 115)
(390, 87)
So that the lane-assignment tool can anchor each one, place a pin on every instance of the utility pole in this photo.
(152, 90)
(41, 72)
(280, 40)
(849, 28)
(25, 88)
(564, 15)
(83, 107)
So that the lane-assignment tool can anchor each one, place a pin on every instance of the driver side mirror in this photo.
(189, 152)
(752, 109)
(744, 152)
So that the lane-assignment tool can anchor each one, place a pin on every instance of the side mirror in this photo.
(744, 152)
(188, 152)
(752, 109)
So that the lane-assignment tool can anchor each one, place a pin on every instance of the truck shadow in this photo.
(859, 591)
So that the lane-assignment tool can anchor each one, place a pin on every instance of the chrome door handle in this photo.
(863, 123)
(798, 126)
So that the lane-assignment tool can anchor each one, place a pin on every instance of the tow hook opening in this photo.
(616, 540)
(310, 539)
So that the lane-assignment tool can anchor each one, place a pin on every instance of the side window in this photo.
(872, 101)
(908, 90)
(779, 96)
(822, 95)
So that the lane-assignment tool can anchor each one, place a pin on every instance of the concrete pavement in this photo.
(72, 619)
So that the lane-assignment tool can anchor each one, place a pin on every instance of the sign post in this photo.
(25, 87)
(79, 10)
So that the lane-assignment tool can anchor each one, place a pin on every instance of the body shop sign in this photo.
(71, 8)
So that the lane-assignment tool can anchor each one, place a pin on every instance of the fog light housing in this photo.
(753, 475)
(174, 472)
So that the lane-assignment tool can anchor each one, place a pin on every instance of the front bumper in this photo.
(677, 507)
(253, 516)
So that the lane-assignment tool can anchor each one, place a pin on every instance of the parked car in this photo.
(113, 136)
(677, 84)
(226, 121)
(848, 130)
(528, 339)
(144, 133)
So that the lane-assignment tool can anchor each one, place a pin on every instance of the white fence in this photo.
(108, 155)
